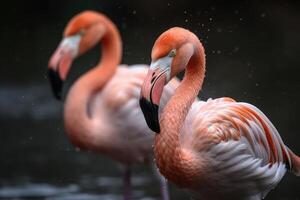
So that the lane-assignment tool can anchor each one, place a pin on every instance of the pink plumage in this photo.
(219, 149)
(101, 111)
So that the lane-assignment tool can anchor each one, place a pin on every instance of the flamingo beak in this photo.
(60, 63)
(56, 83)
(150, 97)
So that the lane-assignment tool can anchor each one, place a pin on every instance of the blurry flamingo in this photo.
(219, 149)
(101, 111)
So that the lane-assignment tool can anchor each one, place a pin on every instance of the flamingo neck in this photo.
(98, 76)
(77, 114)
(173, 161)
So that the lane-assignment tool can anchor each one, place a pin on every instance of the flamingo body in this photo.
(241, 153)
(219, 149)
(101, 111)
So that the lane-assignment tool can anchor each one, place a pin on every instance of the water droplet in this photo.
(124, 25)
(236, 49)
(77, 149)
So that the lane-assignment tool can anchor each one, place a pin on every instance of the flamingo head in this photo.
(170, 55)
(82, 33)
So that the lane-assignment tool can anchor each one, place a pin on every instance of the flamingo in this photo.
(219, 149)
(101, 111)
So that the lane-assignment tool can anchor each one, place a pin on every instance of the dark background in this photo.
(252, 53)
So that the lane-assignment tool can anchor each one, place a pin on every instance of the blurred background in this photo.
(252, 50)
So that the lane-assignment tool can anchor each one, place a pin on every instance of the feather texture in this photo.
(240, 144)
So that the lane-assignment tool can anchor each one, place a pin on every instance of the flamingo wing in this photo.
(240, 143)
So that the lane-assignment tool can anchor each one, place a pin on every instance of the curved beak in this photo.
(60, 62)
(56, 83)
(150, 96)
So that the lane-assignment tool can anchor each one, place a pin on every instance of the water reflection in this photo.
(34, 190)
(88, 188)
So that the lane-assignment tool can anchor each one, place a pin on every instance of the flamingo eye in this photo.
(172, 53)
(81, 32)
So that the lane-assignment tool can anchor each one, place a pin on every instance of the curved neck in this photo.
(173, 116)
(77, 113)
(111, 57)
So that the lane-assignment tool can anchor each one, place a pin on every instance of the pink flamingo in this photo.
(219, 149)
(101, 111)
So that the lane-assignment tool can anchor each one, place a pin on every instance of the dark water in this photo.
(252, 55)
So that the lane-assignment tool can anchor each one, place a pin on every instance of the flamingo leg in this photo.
(164, 188)
(127, 192)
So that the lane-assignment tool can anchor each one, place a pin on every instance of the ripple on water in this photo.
(36, 190)
(75, 192)
(87, 197)
(117, 181)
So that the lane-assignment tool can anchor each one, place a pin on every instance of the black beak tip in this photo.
(150, 112)
(56, 83)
